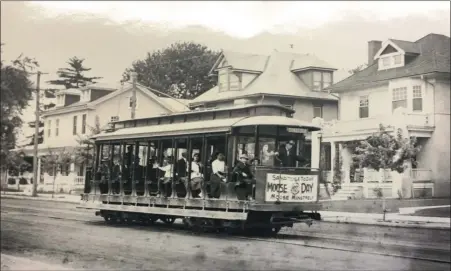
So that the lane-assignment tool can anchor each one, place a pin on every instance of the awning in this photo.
(198, 127)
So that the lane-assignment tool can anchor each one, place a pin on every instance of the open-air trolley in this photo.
(161, 168)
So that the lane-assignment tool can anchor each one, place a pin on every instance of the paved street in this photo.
(57, 233)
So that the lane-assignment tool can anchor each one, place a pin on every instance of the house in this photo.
(296, 81)
(77, 111)
(405, 86)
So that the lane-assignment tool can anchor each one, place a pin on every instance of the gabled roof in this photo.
(172, 105)
(277, 78)
(434, 57)
(407, 46)
(241, 61)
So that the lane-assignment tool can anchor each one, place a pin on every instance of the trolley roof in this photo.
(200, 127)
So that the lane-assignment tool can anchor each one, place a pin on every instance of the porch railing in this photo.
(421, 175)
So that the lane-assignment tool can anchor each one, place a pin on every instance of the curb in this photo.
(39, 198)
(388, 223)
(412, 210)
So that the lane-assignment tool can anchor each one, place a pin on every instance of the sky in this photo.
(249, 17)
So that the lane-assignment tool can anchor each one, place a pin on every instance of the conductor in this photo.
(287, 156)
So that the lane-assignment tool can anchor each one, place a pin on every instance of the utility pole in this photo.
(134, 77)
(36, 133)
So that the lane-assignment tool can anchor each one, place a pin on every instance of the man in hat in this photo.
(287, 155)
(243, 177)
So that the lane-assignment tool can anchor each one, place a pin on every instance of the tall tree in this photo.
(16, 91)
(181, 70)
(73, 77)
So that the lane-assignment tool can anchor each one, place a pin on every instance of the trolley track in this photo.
(364, 246)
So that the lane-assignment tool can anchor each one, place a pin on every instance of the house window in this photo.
(321, 80)
(223, 80)
(317, 111)
(74, 130)
(235, 80)
(114, 118)
(363, 107)
(386, 61)
(399, 98)
(397, 59)
(83, 124)
(316, 81)
(417, 101)
(57, 128)
(49, 128)
(327, 79)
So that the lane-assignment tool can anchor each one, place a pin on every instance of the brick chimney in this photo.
(373, 47)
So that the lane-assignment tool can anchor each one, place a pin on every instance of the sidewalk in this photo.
(391, 219)
(402, 219)
(9, 262)
(47, 197)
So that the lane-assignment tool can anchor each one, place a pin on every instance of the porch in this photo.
(58, 184)
(371, 184)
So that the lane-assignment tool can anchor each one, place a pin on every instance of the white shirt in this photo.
(218, 166)
(196, 170)
(167, 170)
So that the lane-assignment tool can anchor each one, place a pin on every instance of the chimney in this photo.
(373, 47)
(133, 77)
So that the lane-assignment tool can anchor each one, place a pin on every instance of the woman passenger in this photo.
(166, 180)
(196, 176)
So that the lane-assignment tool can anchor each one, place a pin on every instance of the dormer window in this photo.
(321, 80)
(229, 80)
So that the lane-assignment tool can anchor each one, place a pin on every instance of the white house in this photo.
(78, 110)
(406, 85)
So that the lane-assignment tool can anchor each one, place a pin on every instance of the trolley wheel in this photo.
(168, 220)
(110, 219)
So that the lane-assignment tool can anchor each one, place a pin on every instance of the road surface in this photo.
(55, 232)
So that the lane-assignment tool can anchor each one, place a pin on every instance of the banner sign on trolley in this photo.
(291, 188)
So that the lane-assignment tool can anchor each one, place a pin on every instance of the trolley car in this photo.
(127, 175)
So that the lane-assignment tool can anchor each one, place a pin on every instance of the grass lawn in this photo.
(375, 205)
(435, 212)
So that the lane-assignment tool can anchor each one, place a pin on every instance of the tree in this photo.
(16, 92)
(73, 77)
(84, 153)
(181, 70)
(56, 160)
(358, 69)
(385, 151)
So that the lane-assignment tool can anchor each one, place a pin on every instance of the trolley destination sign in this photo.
(291, 188)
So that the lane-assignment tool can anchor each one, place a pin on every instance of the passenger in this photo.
(182, 166)
(244, 178)
(166, 181)
(128, 157)
(116, 176)
(218, 175)
(196, 176)
(267, 156)
(287, 155)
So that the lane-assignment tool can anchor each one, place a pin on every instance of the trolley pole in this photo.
(36, 133)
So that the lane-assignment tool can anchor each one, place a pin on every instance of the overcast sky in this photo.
(242, 19)
(111, 35)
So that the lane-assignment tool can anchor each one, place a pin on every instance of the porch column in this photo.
(332, 162)
(345, 178)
